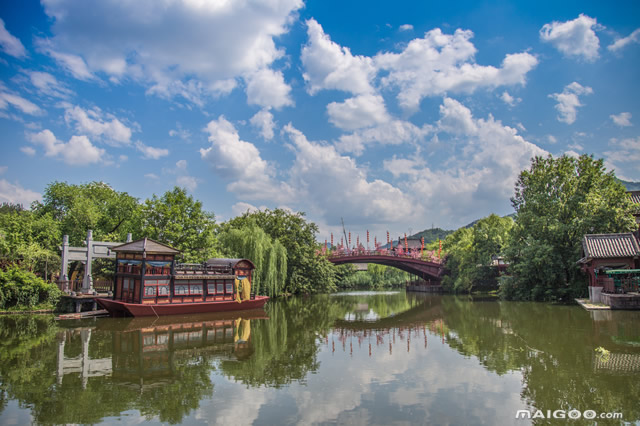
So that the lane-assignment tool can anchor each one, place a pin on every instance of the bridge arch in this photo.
(424, 269)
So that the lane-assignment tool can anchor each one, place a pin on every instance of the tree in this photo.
(306, 272)
(178, 220)
(557, 202)
(96, 206)
(269, 257)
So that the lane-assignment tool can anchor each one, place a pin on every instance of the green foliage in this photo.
(178, 220)
(375, 277)
(96, 206)
(29, 239)
(269, 257)
(470, 251)
(306, 272)
(557, 202)
(20, 288)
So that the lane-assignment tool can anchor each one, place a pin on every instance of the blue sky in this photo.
(394, 116)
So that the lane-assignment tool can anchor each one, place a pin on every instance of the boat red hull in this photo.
(118, 308)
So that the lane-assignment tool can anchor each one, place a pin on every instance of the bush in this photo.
(23, 289)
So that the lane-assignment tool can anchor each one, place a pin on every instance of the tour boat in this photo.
(149, 282)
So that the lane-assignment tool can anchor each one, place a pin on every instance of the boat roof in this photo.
(231, 263)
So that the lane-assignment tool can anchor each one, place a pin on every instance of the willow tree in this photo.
(268, 255)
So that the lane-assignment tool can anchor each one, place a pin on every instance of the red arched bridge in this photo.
(428, 270)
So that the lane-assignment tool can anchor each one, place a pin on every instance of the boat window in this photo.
(196, 288)
(163, 290)
(211, 288)
(229, 285)
(149, 290)
(182, 289)
(220, 288)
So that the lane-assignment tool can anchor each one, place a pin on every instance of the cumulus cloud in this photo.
(391, 132)
(576, 38)
(406, 27)
(509, 100)
(320, 173)
(14, 193)
(267, 88)
(10, 44)
(79, 151)
(150, 152)
(263, 121)
(94, 123)
(568, 101)
(620, 43)
(210, 45)
(484, 161)
(240, 162)
(623, 119)
(330, 66)
(440, 63)
(358, 112)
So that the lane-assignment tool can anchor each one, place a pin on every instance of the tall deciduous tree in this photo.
(557, 202)
(95, 205)
(269, 256)
(178, 220)
(306, 272)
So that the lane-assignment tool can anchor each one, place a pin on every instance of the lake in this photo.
(361, 358)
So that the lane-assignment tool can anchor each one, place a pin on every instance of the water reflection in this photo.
(410, 358)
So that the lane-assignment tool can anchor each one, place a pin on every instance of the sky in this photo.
(393, 116)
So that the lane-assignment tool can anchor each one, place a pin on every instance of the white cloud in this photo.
(28, 150)
(575, 38)
(406, 27)
(14, 193)
(624, 158)
(484, 160)
(623, 119)
(320, 174)
(209, 46)
(330, 66)
(10, 44)
(7, 98)
(79, 151)
(358, 112)
(620, 43)
(180, 132)
(74, 64)
(568, 101)
(267, 88)
(151, 153)
(263, 121)
(393, 132)
(94, 123)
(241, 208)
(189, 182)
(441, 63)
(151, 176)
(241, 163)
(509, 100)
(48, 84)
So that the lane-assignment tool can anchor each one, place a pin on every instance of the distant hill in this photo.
(432, 234)
(631, 186)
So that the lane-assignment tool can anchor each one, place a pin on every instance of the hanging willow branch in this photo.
(269, 257)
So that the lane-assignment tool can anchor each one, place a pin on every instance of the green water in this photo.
(357, 358)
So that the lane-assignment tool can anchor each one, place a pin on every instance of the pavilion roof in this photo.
(221, 263)
(602, 246)
(145, 245)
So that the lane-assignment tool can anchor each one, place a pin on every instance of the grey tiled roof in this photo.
(598, 246)
(635, 196)
(146, 245)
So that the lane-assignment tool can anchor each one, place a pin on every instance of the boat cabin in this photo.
(147, 273)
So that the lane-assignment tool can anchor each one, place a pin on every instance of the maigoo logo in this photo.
(564, 414)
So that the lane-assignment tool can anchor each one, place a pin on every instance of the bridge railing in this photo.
(427, 256)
